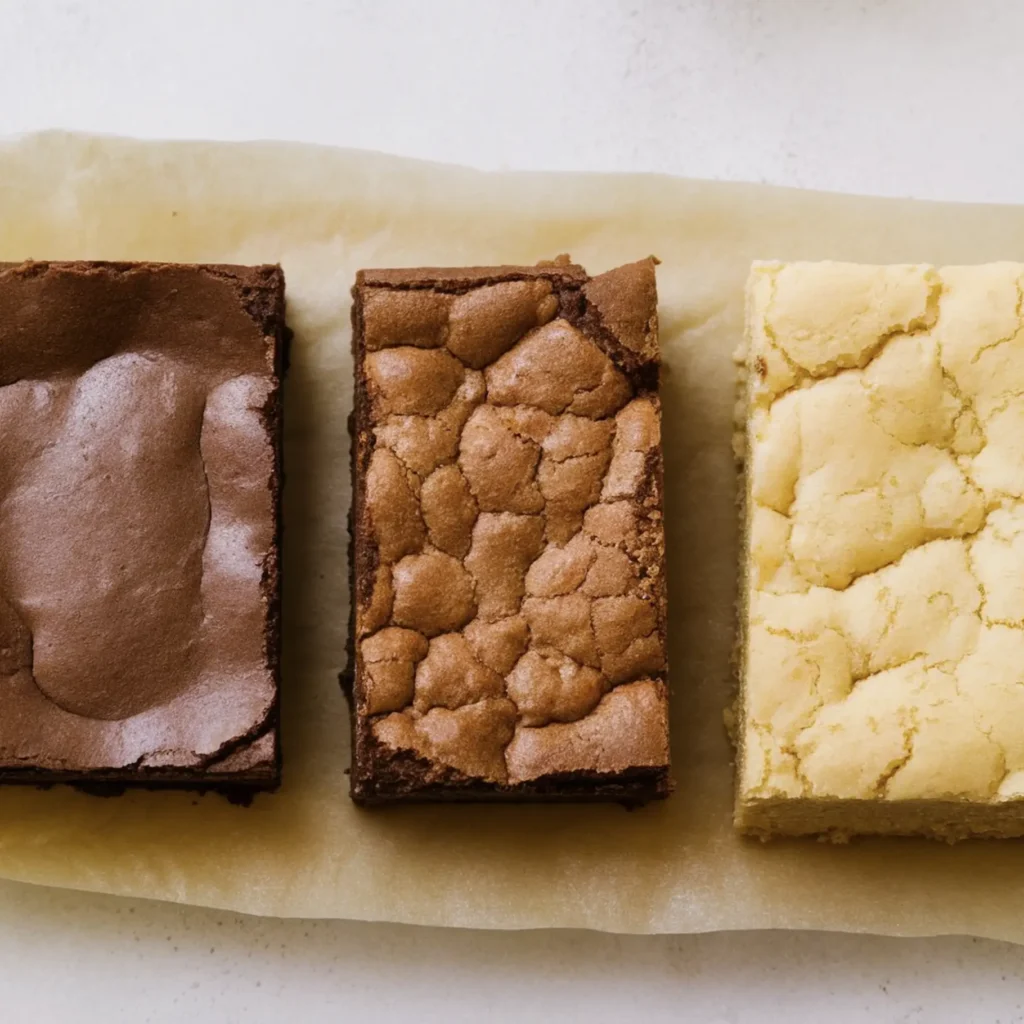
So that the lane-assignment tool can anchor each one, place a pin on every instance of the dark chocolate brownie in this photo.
(508, 635)
(140, 474)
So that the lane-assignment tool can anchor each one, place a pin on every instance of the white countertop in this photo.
(897, 97)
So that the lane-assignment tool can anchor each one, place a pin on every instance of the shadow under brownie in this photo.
(140, 470)
(508, 544)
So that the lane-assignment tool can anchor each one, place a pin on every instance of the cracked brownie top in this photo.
(884, 591)
(509, 552)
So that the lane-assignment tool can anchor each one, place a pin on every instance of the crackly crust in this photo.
(450, 722)
(883, 613)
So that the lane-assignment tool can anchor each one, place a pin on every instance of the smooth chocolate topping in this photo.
(139, 417)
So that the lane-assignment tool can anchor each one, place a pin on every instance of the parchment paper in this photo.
(307, 851)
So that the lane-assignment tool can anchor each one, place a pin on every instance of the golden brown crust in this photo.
(509, 633)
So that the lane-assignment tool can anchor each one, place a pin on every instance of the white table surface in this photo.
(897, 97)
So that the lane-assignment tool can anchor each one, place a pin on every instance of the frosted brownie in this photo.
(508, 545)
(882, 681)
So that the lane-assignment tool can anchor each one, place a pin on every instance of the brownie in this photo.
(882, 609)
(508, 636)
(140, 472)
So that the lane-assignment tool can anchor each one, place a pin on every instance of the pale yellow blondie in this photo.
(882, 608)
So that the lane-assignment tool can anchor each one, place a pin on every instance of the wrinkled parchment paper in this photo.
(306, 851)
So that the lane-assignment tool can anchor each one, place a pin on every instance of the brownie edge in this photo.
(507, 537)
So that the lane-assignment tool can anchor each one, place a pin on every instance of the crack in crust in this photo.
(509, 583)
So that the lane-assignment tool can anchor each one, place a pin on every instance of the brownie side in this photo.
(210, 342)
(464, 279)
(614, 314)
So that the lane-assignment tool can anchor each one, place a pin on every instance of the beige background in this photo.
(306, 851)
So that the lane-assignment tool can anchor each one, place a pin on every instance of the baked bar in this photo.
(509, 561)
(140, 467)
(883, 611)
